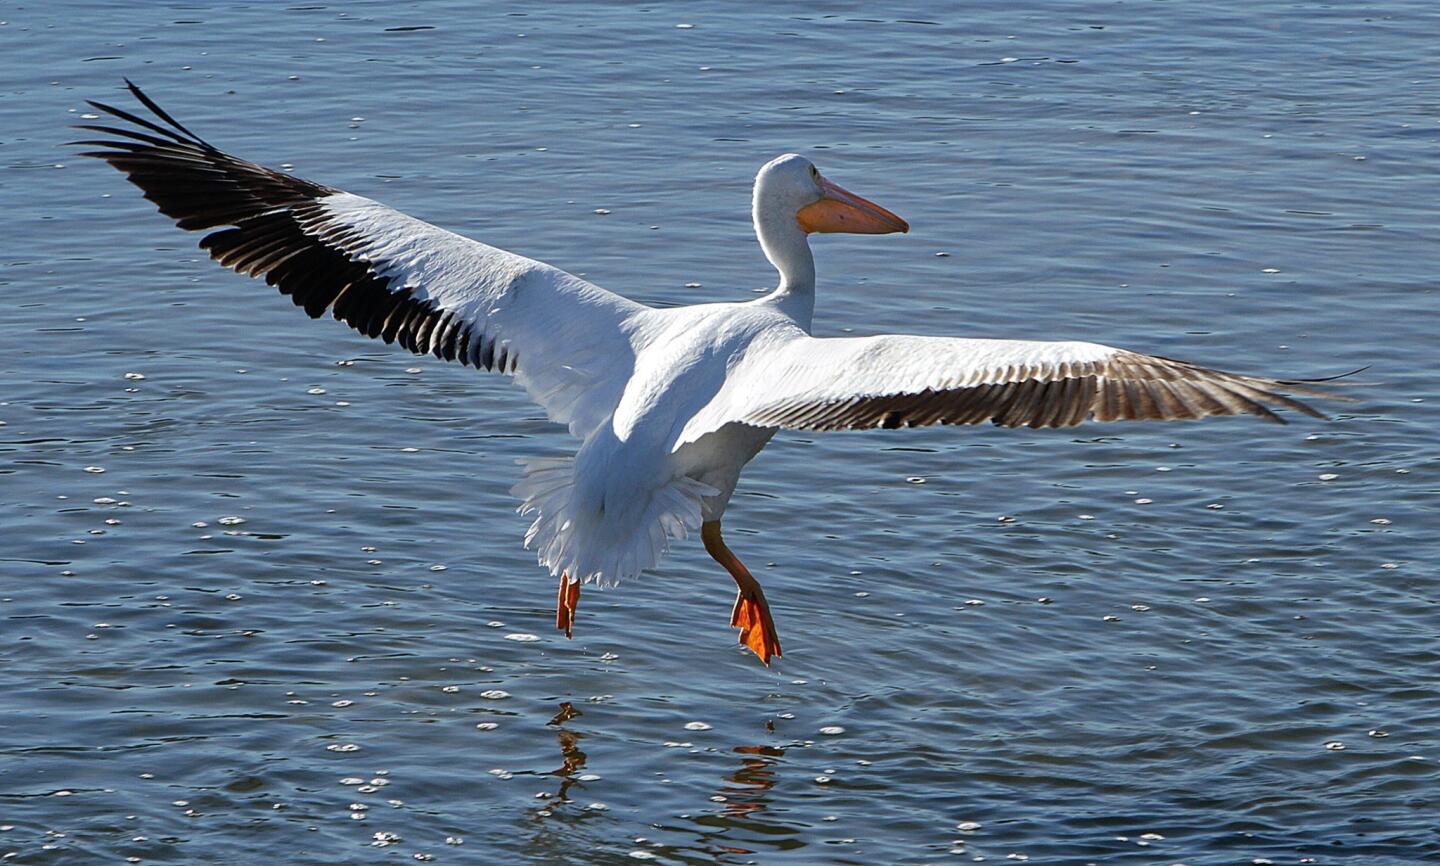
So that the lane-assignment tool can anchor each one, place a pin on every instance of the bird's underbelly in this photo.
(717, 458)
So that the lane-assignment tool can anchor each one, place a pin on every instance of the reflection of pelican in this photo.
(570, 753)
(755, 776)
(670, 404)
(574, 760)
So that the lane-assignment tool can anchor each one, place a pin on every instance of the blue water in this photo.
(1250, 186)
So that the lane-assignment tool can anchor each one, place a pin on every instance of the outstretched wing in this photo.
(851, 383)
(385, 274)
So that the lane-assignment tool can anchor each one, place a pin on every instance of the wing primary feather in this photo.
(1202, 402)
(1248, 403)
(160, 112)
(139, 121)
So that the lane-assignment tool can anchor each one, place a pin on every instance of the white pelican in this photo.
(668, 404)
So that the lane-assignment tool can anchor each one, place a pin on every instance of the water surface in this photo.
(260, 578)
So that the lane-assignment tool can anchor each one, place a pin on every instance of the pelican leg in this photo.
(752, 612)
(566, 601)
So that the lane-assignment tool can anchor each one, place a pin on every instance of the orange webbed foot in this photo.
(566, 601)
(757, 630)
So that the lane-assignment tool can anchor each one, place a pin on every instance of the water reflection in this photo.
(571, 755)
(557, 831)
(747, 792)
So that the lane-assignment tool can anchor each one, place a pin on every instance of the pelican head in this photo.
(792, 185)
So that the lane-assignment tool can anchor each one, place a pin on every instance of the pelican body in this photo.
(668, 404)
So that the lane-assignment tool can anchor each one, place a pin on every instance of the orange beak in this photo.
(840, 210)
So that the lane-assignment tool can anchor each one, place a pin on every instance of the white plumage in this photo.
(669, 404)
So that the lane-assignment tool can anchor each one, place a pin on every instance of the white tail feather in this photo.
(573, 537)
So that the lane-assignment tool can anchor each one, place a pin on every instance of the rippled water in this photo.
(261, 584)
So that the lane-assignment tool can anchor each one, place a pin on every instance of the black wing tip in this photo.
(1303, 384)
(172, 128)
